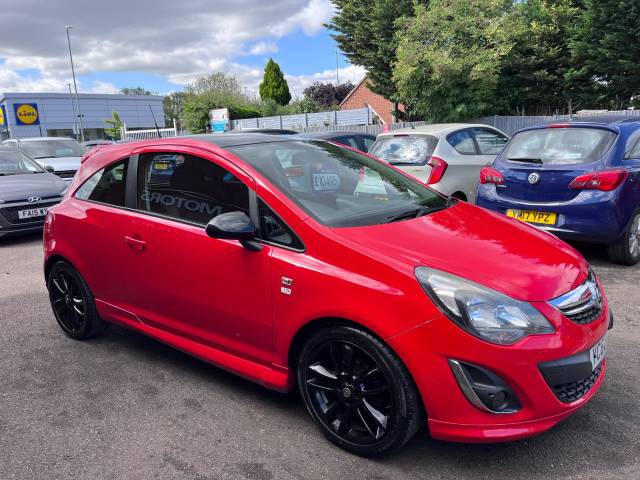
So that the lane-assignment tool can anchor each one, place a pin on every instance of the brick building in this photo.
(362, 97)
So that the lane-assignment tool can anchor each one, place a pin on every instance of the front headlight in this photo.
(485, 313)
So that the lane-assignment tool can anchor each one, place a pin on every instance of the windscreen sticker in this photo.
(370, 183)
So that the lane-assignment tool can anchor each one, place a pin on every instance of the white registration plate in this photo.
(32, 213)
(597, 352)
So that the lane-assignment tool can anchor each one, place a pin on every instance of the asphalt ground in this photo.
(125, 406)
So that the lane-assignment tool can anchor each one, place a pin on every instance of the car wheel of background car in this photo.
(626, 250)
(72, 302)
(358, 391)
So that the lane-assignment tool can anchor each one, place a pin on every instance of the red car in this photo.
(298, 262)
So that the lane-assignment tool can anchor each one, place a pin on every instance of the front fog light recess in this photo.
(485, 313)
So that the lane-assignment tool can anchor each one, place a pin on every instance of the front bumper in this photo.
(427, 349)
(592, 216)
(10, 224)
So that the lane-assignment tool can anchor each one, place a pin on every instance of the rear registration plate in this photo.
(543, 218)
(32, 213)
(597, 352)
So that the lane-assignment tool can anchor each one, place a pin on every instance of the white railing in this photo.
(148, 133)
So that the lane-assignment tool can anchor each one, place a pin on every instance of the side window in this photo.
(490, 142)
(635, 151)
(349, 141)
(273, 229)
(188, 188)
(107, 185)
(462, 142)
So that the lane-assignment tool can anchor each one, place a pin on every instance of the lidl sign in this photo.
(3, 116)
(26, 113)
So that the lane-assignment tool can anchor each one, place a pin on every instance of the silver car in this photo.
(446, 156)
(61, 153)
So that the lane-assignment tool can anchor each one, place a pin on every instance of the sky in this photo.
(163, 45)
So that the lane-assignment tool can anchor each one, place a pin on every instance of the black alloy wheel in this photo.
(72, 303)
(358, 391)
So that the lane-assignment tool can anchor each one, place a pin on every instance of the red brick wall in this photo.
(363, 97)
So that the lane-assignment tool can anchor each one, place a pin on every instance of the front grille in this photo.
(586, 316)
(66, 173)
(583, 304)
(572, 391)
(11, 213)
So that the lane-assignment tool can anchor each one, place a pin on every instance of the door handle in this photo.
(135, 243)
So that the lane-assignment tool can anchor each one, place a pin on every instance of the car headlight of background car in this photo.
(481, 311)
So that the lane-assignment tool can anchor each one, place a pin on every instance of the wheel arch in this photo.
(51, 261)
(315, 325)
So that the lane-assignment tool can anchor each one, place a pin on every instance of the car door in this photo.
(180, 280)
(475, 148)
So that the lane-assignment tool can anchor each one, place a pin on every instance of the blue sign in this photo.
(219, 120)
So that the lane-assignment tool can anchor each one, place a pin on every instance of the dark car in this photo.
(89, 144)
(578, 180)
(266, 131)
(26, 192)
(357, 140)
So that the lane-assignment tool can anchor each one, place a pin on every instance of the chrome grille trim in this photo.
(582, 304)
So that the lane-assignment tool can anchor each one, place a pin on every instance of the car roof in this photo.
(37, 139)
(611, 120)
(321, 135)
(435, 128)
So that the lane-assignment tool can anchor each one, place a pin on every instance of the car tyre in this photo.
(72, 302)
(358, 392)
(626, 250)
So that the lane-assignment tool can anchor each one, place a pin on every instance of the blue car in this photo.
(578, 180)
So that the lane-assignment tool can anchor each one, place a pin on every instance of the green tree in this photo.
(172, 106)
(366, 35)
(116, 123)
(534, 74)
(450, 57)
(208, 92)
(606, 52)
(274, 85)
(136, 91)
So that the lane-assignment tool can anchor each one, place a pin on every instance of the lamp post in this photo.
(75, 86)
(73, 109)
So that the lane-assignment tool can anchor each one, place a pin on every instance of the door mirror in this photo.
(235, 226)
(49, 168)
(232, 226)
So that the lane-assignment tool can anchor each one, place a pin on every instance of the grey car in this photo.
(27, 190)
(61, 153)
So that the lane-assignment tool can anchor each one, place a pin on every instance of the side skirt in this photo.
(273, 377)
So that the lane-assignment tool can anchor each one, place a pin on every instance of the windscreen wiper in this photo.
(526, 160)
(420, 211)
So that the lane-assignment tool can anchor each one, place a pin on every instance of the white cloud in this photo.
(352, 73)
(178, 40)
(12, 81)
(262, 48)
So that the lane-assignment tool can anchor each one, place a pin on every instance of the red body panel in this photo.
(223, 303)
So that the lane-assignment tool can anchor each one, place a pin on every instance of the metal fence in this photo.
(357, 116)
(147, 134)
(511, 124)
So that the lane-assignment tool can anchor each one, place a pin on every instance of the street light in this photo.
(75, 86)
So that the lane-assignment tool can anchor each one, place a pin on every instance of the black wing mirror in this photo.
(235, 226)
(49, 168)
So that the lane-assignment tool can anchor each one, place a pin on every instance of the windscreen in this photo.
(12, 162)
(336, 186)
(404, 149)
(560, 146)
(52, 148)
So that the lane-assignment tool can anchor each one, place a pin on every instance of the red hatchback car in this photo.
(303, 262)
